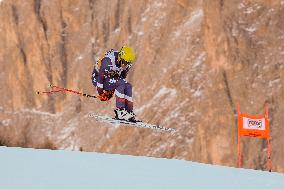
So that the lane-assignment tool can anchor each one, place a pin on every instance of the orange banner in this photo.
(253, 126)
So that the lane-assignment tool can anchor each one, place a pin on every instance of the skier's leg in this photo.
(120, 112)
(124, 102)
(129, 103)
(128, 97)
(120, 95)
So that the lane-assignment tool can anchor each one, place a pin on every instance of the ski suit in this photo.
(110, 77)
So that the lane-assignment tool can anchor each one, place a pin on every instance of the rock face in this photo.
(196, 61)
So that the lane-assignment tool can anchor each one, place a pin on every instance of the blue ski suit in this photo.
(110, 76)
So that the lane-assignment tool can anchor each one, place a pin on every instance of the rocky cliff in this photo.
(196, 60)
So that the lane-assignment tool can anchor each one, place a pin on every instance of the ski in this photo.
(108, 119)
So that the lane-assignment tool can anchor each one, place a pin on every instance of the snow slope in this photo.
(39, 169)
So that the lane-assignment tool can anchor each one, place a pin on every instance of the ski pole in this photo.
(72, 91)
(48, 92)
(61, 89)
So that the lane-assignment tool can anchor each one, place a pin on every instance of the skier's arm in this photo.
(124, 73)
(101, 76)
(94, 76)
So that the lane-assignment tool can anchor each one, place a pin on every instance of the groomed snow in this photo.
(41, 169)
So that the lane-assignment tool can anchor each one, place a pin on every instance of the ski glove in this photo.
(100, 90)
(106, 95)
(103, 97)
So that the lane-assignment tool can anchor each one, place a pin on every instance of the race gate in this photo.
(253, 126)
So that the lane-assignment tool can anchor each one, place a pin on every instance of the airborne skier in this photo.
(109, 77)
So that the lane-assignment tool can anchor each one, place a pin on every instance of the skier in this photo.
(109, 78)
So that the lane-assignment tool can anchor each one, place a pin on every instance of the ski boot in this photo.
(133, 117)
(121, 114)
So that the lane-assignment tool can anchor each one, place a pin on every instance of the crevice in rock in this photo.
(221, 4)
(63, 48)
(23, 54)
(92, 5)
(41, 19)
(43, 22)
(27, 87)
(20, 43)
(228, 92)
(105, 32)
(37, 8)
(129, 24)
(117, 15)
(15, 14)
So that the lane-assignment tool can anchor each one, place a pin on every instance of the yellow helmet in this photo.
(127, 54)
